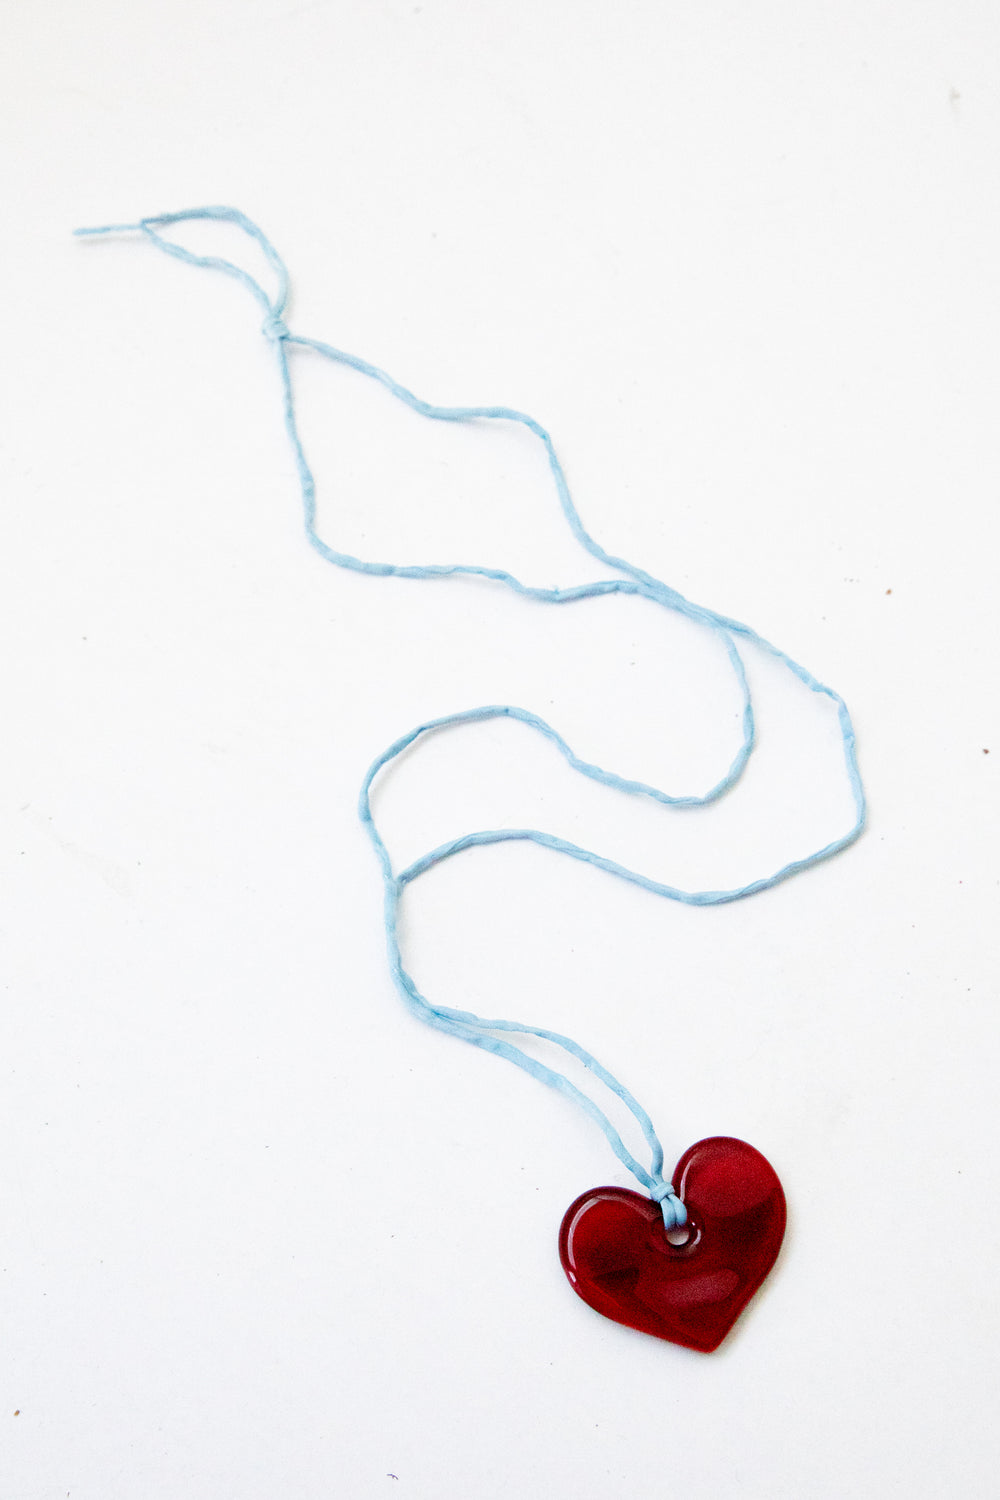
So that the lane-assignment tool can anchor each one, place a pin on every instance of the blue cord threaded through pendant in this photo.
(477, 1030)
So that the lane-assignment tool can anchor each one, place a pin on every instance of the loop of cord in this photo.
(489, 1034)
(674, 1212)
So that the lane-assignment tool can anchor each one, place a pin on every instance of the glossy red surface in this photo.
(615, 1252)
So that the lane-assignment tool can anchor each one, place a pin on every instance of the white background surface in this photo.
(261, 1233)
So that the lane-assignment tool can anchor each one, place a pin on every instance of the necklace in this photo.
(681, 1260)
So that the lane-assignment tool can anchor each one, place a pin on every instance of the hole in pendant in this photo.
(680, 1237)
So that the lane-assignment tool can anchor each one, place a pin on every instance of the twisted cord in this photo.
(477, 1030)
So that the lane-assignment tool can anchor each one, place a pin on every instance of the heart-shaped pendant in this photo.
(616, 1254)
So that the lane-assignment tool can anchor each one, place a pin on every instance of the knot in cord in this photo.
(275, 328)
(674, 1212)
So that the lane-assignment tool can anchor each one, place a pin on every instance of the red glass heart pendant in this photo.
(616, 1254)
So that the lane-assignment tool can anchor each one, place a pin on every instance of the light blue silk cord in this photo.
(463, 1024)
